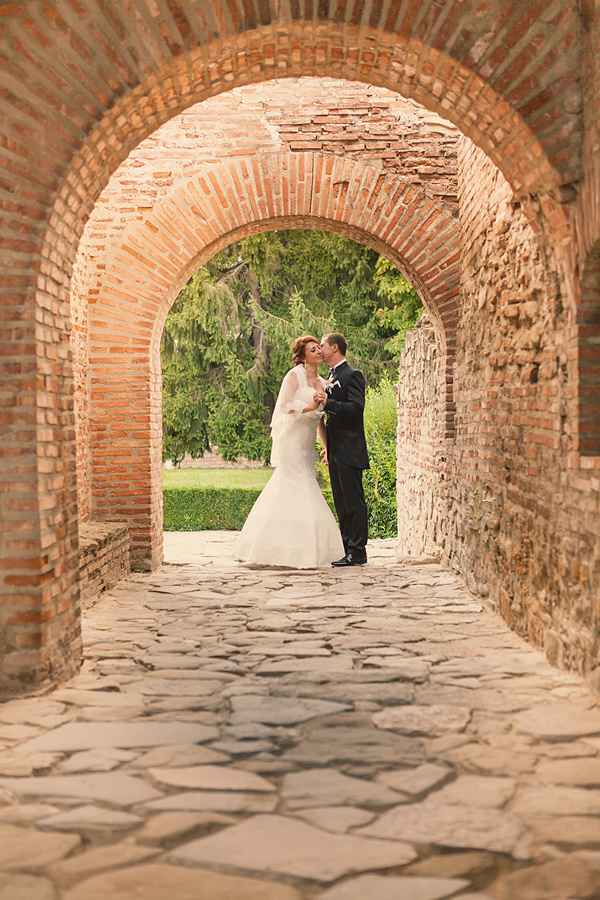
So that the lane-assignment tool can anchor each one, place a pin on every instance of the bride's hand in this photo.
(324, 458)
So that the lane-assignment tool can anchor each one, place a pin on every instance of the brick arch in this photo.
(488, 100)
(204, 213)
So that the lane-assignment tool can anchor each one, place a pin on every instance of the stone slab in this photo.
(416, 781)
(179, 755)
(315, 787)
(169, 660)
(27, 813)
(381, 887)
(557, 801)
(84, 865)
(356, 744)
(574, 772)
(30, 710)
(279, 710)
(89, 820)
(339, 819)
(423, 720)
(103, 760)
(316, 664)
(216, 801)
(489, 700)
(558, 720)
(97, 698)
(92, 735)
(476, 790)
(177, 687)
(158, 880)
(301, 649)
(109, 714)
(16, 763)
(449, 826)
(16, 733)
(479, 757)
(167, 828)
(566, 830)
(407, 669)
(27, 849)
(26, 887)
(452, 865)
(561, 878)
(110, 787)
(243, 748)
(213, 778)
(291, 848)
(384, 693)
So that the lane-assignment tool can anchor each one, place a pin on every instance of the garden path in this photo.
(282, 735)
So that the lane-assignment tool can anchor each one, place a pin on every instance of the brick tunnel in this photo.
(461, 143)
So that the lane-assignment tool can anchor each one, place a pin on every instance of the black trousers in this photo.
(350, 506)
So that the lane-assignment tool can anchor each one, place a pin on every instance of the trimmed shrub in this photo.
(381, 425)
(207, 509)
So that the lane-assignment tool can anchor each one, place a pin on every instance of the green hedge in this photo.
(207, 509)
(381, 425)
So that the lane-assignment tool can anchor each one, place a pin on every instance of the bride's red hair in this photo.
(299, 348)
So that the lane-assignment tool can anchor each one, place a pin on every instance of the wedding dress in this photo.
(291, 524)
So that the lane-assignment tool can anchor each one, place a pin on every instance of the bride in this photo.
(291, 524)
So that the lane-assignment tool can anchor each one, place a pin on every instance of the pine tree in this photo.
(227, 340)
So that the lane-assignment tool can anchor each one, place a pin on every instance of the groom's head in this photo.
(333, 347)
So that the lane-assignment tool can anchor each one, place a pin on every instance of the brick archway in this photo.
(490, 103)
(204, 213)
(83, 83)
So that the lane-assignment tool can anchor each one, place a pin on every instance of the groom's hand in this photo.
(320, 397)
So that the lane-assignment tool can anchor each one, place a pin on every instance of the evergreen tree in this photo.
(227, 340)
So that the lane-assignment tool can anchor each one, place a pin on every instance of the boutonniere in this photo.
(331, 383)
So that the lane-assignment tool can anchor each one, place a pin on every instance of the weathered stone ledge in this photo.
(103, 557)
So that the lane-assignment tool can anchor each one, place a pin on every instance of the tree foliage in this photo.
(227, 340)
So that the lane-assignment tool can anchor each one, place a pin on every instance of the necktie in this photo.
(331, 373)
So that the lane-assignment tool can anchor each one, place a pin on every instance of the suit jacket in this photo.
(344, 424)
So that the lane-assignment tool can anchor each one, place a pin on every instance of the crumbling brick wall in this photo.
(521, 524)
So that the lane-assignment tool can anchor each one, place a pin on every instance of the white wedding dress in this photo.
(291, 524)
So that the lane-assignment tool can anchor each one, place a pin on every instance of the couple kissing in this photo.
(291, 524)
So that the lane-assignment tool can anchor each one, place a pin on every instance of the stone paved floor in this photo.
(245, 734)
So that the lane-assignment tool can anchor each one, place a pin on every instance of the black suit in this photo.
(347, 454)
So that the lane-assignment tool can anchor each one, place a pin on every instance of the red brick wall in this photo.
(538, 533)
(522, 519)
(39, 612)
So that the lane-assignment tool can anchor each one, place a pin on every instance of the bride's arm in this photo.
(312, 407)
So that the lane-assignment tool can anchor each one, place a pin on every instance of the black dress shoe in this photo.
(351, 559)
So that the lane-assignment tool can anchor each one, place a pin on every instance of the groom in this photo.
(345, 446)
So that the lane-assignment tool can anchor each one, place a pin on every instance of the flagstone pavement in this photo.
(238, 733)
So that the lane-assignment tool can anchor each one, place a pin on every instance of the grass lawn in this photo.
(215, 478)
